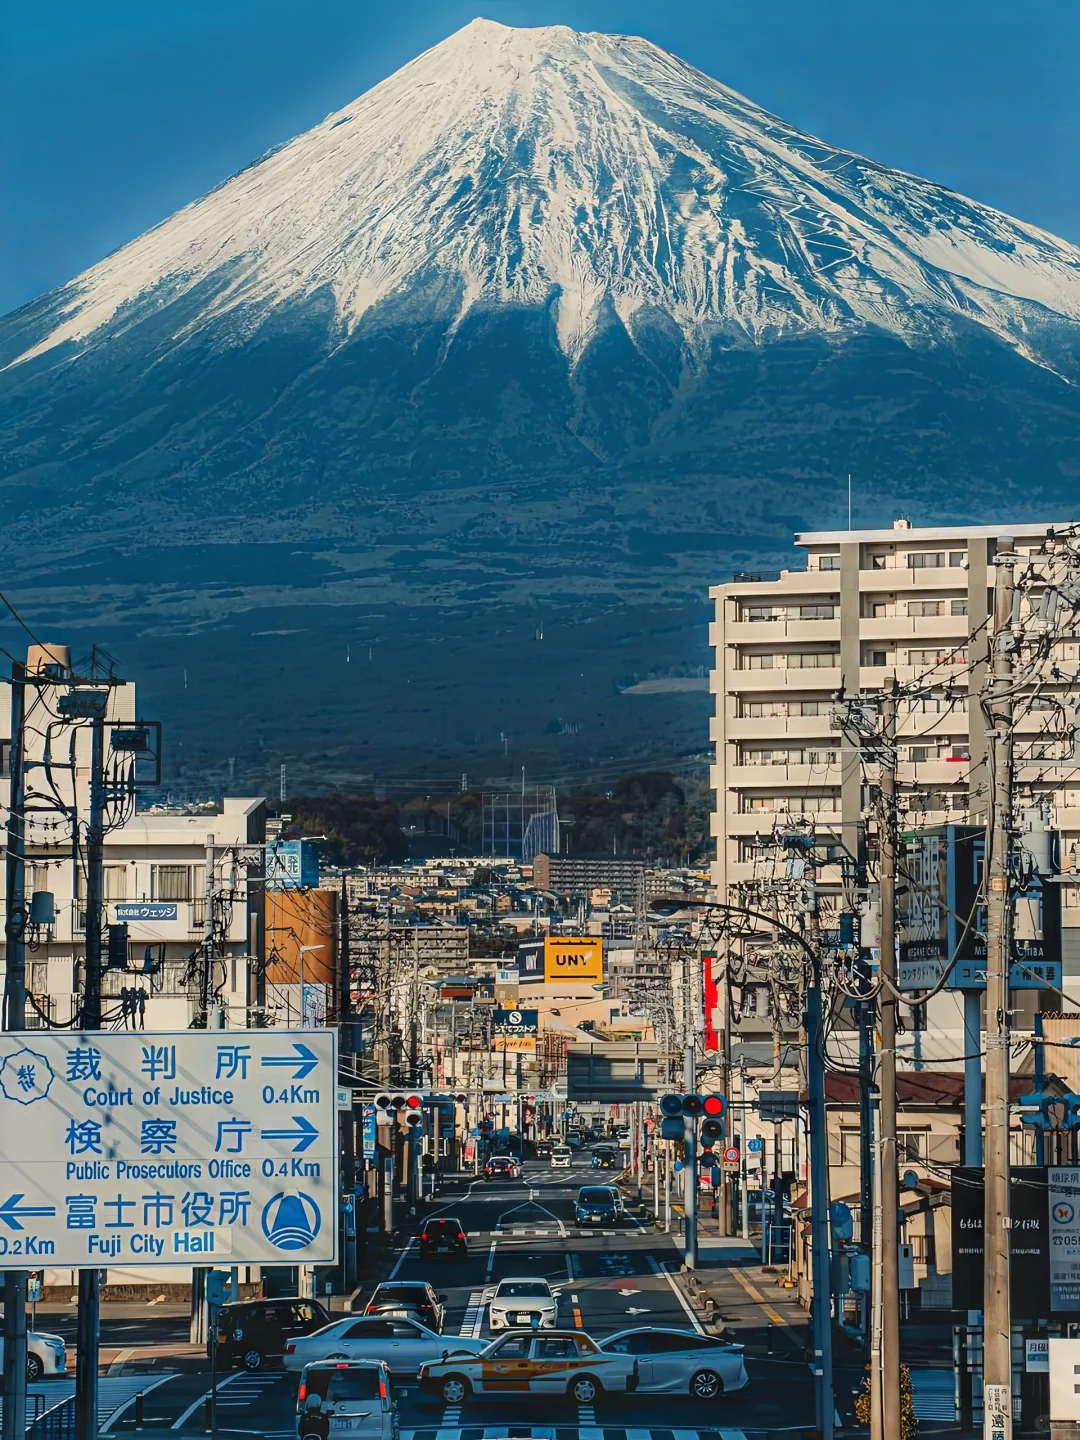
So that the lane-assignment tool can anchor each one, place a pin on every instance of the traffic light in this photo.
(385, 1101)
(414, 1111)
(711, 1131)
(677, 1108)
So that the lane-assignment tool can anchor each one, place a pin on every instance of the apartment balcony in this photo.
(879, 677)
(775, 727)
(787, 777)
(927, 629)
(1066, 818)
(898, 575)
(773, 585)
(766, 632)
(925, 773)
(825, 678)
(762, 822)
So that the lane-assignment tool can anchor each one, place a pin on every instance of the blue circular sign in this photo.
(291, 1221)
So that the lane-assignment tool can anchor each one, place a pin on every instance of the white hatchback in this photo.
(347, 1399)
(45, 1355)
(681, 1362)
(562, 1157)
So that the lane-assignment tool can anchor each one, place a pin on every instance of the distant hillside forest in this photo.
(656, 814)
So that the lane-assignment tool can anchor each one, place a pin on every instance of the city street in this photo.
(612, 1280)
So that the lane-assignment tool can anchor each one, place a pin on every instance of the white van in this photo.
(562, 1157)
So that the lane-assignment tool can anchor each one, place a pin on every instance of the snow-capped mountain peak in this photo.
(595, 174)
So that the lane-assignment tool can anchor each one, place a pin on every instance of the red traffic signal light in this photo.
(714, 1105)
(413, 1102)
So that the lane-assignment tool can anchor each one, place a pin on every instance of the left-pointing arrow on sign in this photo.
(304, 1134)
(13, 1214)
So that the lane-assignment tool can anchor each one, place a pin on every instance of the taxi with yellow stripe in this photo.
(530, 1362)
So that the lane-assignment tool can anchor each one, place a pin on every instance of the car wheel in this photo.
(584, 1389)
(252, 1359)
(706, 1385)
(34, 1368)
(455, 1389)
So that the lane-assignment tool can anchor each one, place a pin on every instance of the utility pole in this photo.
(819, 1206)
(690, 1168)
(997, 1336)
(346, 1062)
(88, 1324)
(889, 1277)
(15, 1019)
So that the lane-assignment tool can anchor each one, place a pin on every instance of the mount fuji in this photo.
(445, 414)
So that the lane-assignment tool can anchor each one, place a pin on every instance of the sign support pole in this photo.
(88, 1325)
(15, 1019)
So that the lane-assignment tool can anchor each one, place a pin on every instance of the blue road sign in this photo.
(368, 1125)
(304, 1134)
(304, 1061)
(755, 1146)
(139, 1148)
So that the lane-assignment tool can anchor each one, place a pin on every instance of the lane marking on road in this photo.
(119, 1360)
(103, 1429)
(402, 1257)
(756, 1295)
(570, 1265)
(229, 1380)
(659, 1269)
(491, 1259)
(533, 1205)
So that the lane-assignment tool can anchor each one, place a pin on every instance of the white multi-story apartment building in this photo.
(872, 604)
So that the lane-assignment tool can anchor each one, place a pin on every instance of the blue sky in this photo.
(115, 113)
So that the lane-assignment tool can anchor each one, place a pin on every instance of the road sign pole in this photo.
(690, 1165)
(15, 1019)
(88, 1322)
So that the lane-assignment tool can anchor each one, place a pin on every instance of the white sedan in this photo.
(681, 1362)
(45, 1355)
(403, 1344)
(521, 1300)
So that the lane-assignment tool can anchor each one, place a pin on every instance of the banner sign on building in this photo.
(942, 916)
(292, 865)
(530, 962)
(516, 1022)
(1063, 1184)
(711, 994)
(1029, 1236)
(522, 1044)
(152, 910)
(573, 957)
(369, 1131)
(200, 1147)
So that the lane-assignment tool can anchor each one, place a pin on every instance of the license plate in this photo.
(397, 1314)
(523, 1319)
(346, 1424)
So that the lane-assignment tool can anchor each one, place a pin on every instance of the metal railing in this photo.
(46, 1420)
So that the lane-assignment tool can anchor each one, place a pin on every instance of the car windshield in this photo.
(444, 1225)
(523, 1289)
(347, 1384)
(594, 1195)
(411, 1294)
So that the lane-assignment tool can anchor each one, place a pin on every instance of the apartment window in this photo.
(960, 752)
(926, 560)
(816, 612)
(173, 882)
(958, 607)
(879, 609)
(828, 562)
(911, 1144)
(760, 612)
(763, 709)
(957, 559)
(765, 757)
(758, 662)
(938, 704)
(920, 754)
(814, 707)
(924, 607)
(788, 804)
(878, 657)
(813, 659)
(750, 850)
(116, 882)
(850, 1151)
(879, 562)
(818, 757)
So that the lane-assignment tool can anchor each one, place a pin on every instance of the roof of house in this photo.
(930, 1088)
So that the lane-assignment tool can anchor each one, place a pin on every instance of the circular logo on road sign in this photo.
(25, 1076)
(291, 1221)
(1063, 1212)
(731, 1154)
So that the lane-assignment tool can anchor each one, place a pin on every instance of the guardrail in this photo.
(50, 1421)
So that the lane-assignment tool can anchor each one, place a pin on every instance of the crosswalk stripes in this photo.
(473, 1324)
(591, 1431)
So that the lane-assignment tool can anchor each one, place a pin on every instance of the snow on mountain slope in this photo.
(599, 174)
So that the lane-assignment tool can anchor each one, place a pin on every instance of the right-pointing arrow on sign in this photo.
(304, 1060)
(304, 1134)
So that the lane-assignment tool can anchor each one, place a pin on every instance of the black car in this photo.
(413, 1298)
(444, 1236)
(542, 1149)
(251, 1332)
(605, 1157)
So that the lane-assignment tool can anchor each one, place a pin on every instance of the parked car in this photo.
(595, 1205)
(251, 1332)
(681, 1362)
(560, 1362)
(519, 1299)
(404, 1345)
(443, 1236)
(562, 1157)
(409, 1299)
(605, 1157)
(346, 1397)
(45, 1355)
(502, 1167)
